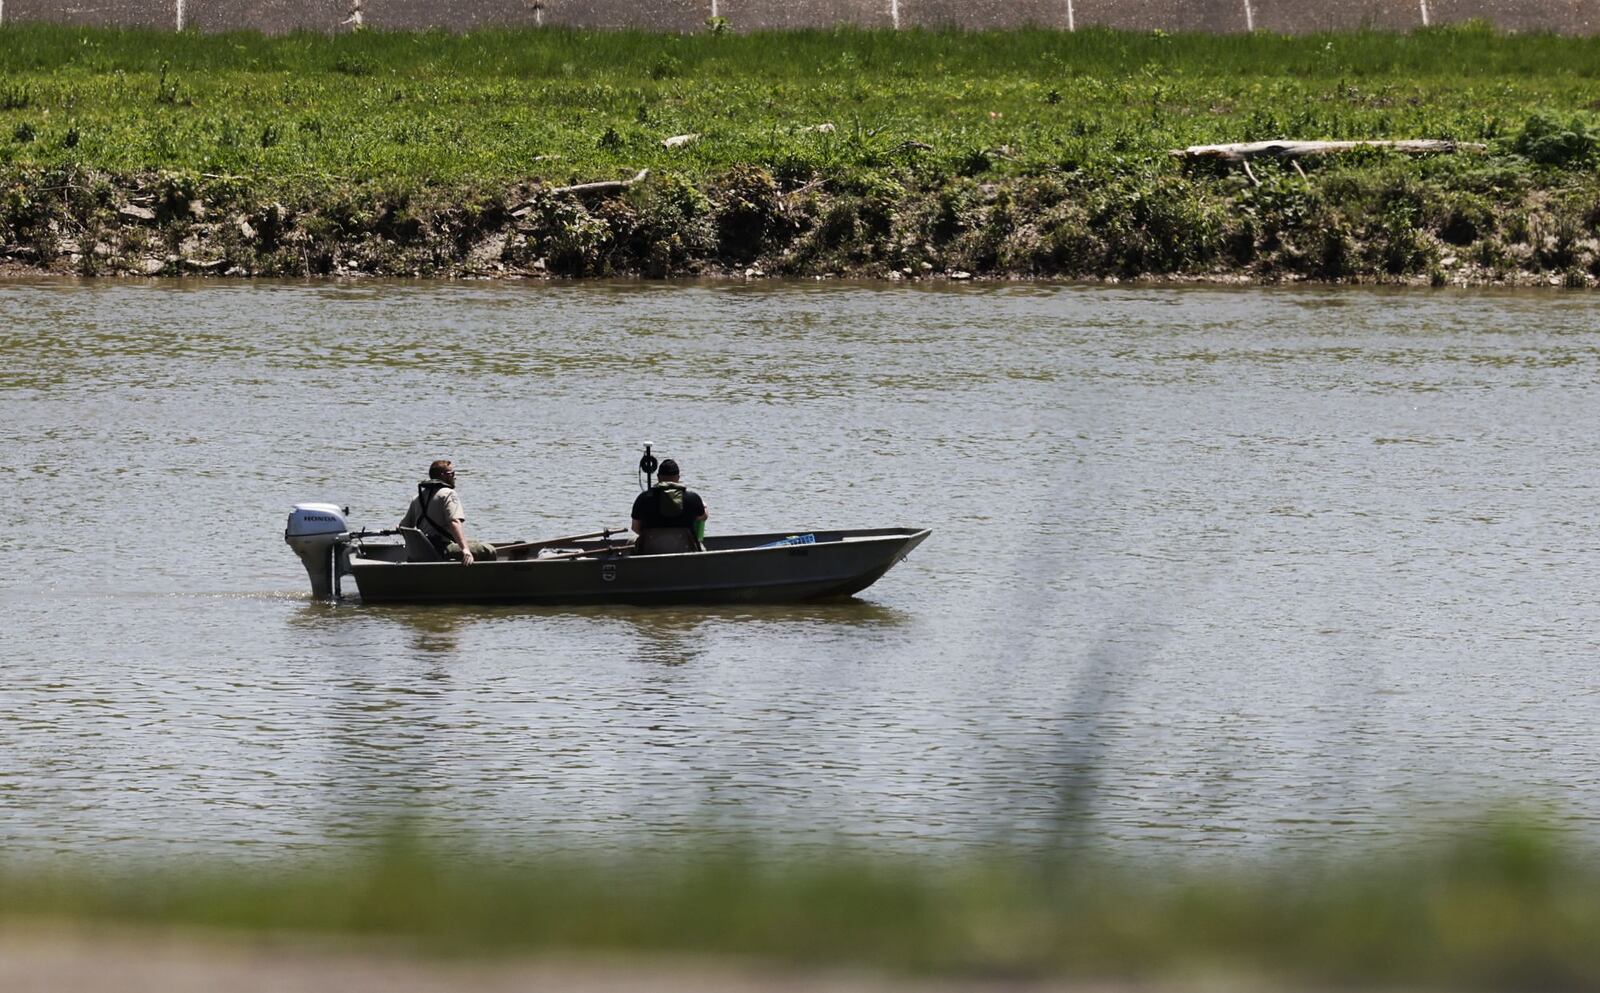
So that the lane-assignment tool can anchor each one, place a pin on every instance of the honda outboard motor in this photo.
(313, 533)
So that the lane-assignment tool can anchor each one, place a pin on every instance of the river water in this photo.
(1214, 572)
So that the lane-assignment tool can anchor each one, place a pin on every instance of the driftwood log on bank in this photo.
(605, 186)
(1293, 151)
(1285, 149)
(583, 189)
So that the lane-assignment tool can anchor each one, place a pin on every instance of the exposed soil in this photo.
(747, 224)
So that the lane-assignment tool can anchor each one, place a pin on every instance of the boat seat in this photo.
(419, 548)
(666, 541)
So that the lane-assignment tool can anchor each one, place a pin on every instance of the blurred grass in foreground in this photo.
(1506, 908)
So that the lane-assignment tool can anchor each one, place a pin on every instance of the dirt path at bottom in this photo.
(56, 961)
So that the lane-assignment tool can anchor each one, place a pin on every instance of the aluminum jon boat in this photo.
(801, 564)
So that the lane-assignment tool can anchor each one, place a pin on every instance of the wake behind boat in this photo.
(398, 566)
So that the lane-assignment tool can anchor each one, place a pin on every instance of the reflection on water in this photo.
(1227, 570)
(669, 635)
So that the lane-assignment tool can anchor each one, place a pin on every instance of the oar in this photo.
(529, 545)
(588, 551)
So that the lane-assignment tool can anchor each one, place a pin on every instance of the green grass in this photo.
(484, 107)
(1506, 909)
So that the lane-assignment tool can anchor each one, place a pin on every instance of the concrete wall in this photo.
(761, 15)
(1566, 16)
(268, 16)
(1301, 16)
(970, 13)
(94, 13)
(1167, 15)
(1290, 16)
(656, 15)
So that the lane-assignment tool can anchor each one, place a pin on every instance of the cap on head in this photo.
(669, 469)
(439, 468)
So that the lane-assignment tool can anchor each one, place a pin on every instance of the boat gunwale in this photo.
(866, 536)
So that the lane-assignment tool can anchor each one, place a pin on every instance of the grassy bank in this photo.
(879, 153)
(1504, 910)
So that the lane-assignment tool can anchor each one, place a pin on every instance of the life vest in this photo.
(669, 501)
(673, 529)
(438, 535)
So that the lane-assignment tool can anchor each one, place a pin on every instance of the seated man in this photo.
(437, 513)
(665, 516)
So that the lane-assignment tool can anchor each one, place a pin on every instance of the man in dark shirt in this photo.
(665, 515)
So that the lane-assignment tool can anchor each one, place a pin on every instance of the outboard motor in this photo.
(313, 532)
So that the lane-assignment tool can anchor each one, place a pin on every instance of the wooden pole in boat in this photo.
(588, 551)
(535, 545)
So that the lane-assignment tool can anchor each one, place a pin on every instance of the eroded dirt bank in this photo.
(1332, 227)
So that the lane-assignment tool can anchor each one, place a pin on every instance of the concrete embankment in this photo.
(1289, 16)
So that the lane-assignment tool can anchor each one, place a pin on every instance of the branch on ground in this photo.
(1290, 150)
(585, 189)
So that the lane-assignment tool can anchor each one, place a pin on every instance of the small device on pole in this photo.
(647, 467)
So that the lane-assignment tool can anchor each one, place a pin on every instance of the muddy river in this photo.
(1215, 572)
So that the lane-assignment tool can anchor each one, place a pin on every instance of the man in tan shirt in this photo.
(437, 513)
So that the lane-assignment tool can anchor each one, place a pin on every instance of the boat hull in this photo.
(733, 569)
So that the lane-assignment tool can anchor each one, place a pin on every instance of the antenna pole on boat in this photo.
(647, 465)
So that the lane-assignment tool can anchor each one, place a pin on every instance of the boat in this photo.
(399, 566)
